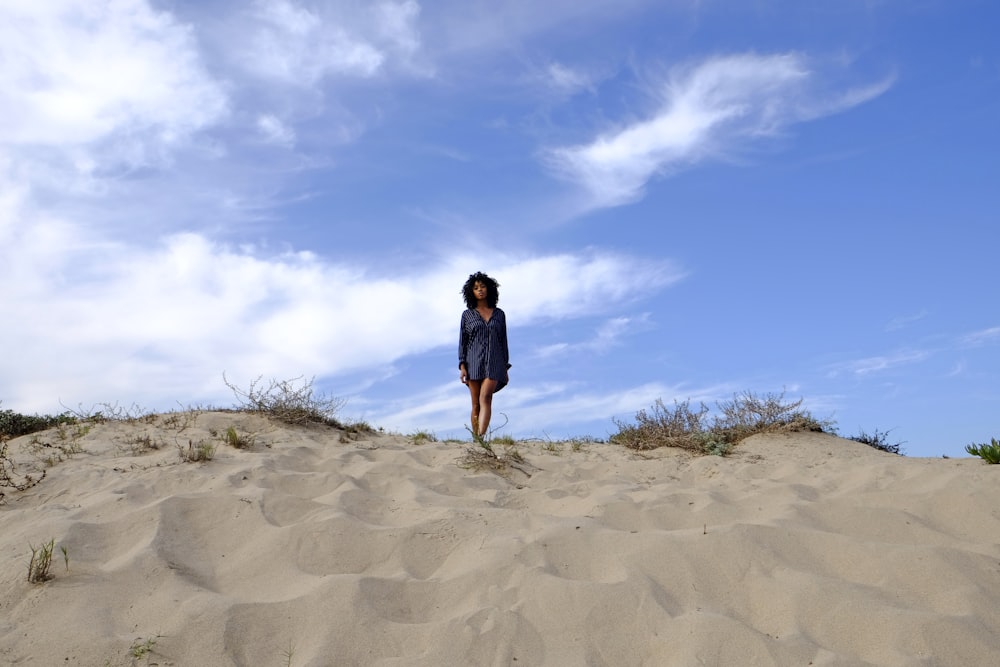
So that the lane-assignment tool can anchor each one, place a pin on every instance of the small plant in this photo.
(289, 653)
(234, 438)
(552, 447)
(987, 452)
(290, 401)
(179, 421)
(878, 440)
(203, 451)
(140, 649)
(140, 444)
(41, 561)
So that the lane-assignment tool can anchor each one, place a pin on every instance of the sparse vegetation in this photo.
(552, 447)
(987, 452)
(66, 444)
(695, 430)
(138, 445)
(234, 438)
(180, 421)
(422, 437)
(140, 649)
(203, 451)
(289, 401)
(41, 561)
(9, 478)
(879, 440)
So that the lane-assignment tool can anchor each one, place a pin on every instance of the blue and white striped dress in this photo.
(482, 346)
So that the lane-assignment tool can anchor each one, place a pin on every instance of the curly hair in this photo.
(492, 289)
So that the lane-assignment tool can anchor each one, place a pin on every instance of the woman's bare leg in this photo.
(475, 388)
(486, 404)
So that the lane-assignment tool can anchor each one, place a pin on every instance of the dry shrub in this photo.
(484, 457)
(661, 426)
(878, 440)
(744, 415)
(9, 478)
(289, 401)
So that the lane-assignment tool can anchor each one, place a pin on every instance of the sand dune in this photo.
(798, 549)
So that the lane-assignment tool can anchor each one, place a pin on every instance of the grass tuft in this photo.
(203, 451)
(422, 437)
(234, 438)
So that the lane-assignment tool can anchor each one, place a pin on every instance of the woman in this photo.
(483, 358)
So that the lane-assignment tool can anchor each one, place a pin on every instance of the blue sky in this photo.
(679, 199)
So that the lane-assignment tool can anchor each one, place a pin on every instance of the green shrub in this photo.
(14, 424)
(989, 453)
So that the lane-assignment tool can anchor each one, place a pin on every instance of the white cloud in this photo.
(166, 320)
(396, 24)
(298, 46)
(79, 73)
(704, 110)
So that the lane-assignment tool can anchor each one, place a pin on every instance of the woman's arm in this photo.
(463, 374)
(503, 339)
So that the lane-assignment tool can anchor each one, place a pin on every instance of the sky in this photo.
(680, 199)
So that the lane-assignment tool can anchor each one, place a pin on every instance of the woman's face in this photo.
(479, 290)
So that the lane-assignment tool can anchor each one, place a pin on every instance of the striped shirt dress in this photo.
(482, 346)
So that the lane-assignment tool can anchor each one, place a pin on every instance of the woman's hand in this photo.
(463, 375)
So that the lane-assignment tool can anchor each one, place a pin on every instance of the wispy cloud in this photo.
(876, 364)
(981, 337)
(704, 110)
(606, 336)
(903, 321)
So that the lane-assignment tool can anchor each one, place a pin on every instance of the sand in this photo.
(315, 547)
